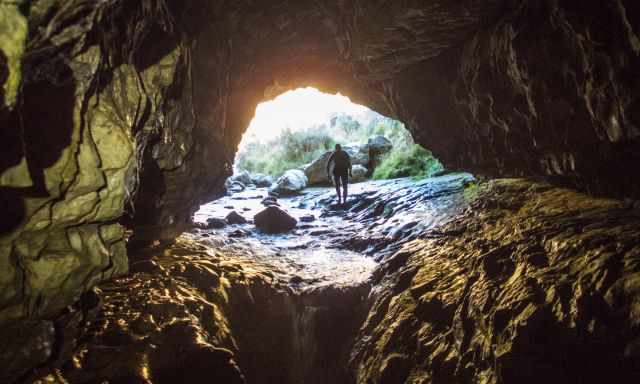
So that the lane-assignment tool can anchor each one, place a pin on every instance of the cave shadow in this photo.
(38, 129)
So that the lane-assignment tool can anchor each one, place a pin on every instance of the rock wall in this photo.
(549, 89)
(534, 284)
(90, 106)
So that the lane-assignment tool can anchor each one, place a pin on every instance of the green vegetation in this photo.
(289, 150)
(293, 149)
(413, 161)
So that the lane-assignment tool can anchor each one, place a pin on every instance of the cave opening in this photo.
(297, 129)
(280, 201)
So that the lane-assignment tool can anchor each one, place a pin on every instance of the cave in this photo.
(120, 119)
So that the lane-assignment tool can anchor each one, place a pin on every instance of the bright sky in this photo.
(296, 109)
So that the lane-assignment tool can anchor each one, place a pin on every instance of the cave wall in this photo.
(550, 89)
(74, 132)
(128, 113)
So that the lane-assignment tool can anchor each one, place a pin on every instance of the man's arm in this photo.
(350, 168)
(329, 163)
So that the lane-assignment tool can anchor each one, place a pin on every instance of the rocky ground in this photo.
(441, 280)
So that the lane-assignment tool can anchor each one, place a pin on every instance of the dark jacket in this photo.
(341, 161)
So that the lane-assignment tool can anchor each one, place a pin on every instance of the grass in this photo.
(415, 162)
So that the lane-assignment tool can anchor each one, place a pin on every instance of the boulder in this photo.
(216, 223)
(235, 218)
(359, 173)
(316, 171)
(290, 183)
(307, 218)
(233, 186)
(239, 182)
(243, 177)
(274, 220)
(359, 153)
(261, 180)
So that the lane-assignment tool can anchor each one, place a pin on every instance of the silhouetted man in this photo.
(341, 171)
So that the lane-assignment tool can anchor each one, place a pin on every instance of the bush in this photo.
(289, 150)
(415, 161)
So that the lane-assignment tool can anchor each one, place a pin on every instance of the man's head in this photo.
(338, 147)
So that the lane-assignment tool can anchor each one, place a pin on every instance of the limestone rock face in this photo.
(291, 182)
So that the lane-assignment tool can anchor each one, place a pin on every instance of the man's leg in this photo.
(345, 182)
(336, 181)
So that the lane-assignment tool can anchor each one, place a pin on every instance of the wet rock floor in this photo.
(437, 281)
(334, 244)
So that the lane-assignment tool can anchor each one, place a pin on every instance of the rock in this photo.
(291, 182)
(296, 279)
(274, 220)
(144, 324)
(270, 201)
(146, 266)
(216, 223)
(379, 144)
(316, 171)
(262, 180)
(307, 218)
(359, 173)
(24, 346)
(320, 232)
(239, 233)
(235, 187)
(243, 177)
(235, 218)
(359, 154)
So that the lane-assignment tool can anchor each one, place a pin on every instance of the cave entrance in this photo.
(281, 206)
(295, 130)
